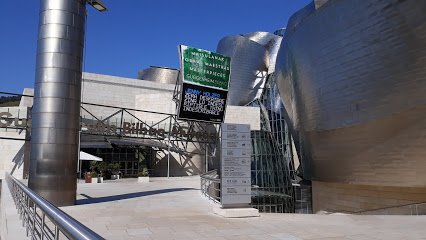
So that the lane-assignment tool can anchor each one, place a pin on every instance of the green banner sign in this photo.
(205, 68)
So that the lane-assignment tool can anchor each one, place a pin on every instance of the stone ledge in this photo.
(236, 212)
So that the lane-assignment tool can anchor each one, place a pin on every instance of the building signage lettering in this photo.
(205, 68)
(205, 83)
(6, 120)
(199, 103)
(104, 128)
(140, 128)
(235, 165)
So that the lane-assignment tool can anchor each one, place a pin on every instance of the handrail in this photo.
(210, 186)
(212, 172)
(30, 203)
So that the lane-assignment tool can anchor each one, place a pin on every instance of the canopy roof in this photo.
(88, 157)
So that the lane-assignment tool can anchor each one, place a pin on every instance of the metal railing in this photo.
(210, 185)
(41, 219)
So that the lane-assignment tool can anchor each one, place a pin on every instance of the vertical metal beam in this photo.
(168, 147)
(206, 157)
(78, 158)
(27, 145)
(56, 111)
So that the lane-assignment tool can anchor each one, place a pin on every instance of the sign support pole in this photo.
(168, 148)
(207, 157)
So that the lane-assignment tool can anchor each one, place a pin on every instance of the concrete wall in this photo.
(27, 101)
(162, 101)
(188, 164)
(134, 94)
(10, 222)
(116, 91)
(243, 115)
(12, 151)
(12, 155)
(193, 161)
(112, 91)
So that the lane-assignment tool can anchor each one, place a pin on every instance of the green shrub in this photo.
(93, 166)
(143, 173)
(102, 167)
(114, 167)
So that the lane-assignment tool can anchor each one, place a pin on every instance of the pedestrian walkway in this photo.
(174, 209)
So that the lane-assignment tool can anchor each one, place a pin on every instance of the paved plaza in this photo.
(174, 209)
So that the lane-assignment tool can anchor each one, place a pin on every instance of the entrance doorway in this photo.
(132, 159)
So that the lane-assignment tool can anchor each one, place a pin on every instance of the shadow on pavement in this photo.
(91, 200)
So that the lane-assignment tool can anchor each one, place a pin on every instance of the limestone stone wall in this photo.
(132, 94)
(243, 115)
(10, 221)
(367, 199)
(155, 102)
(117, 91)
(12, 151)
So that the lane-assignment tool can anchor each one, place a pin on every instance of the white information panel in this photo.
(235, 164)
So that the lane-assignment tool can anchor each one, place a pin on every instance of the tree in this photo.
(114, 167)
(93, 166)
(102, 167)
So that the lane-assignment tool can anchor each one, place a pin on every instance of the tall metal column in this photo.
(56, 110)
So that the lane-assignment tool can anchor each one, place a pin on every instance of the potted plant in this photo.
(94, 177)
(102, 167)
(114, 167)
(94, 174)
(143, 176)
(93, 166)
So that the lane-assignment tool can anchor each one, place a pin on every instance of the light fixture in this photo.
(98, 4)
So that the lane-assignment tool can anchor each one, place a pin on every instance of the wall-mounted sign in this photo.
(205, 83)
(7, 120)
(235, 165)
(140, 129)
(205, 68)
(202, 103)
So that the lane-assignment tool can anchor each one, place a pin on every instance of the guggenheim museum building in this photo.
(336, 102)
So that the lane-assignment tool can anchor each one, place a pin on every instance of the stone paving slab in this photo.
(175, 209)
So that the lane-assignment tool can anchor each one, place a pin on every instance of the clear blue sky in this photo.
(135, 34)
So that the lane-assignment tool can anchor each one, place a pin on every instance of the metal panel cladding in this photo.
(271, 42)
(56, 111)
(352, 75)
(249, 64)
(159, 75)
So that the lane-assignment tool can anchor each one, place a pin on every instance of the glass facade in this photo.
(132, 159)
(272, 162)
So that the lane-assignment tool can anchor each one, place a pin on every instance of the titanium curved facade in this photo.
(272, 44)
(355, 91)
(249, 64)
(253, 58)
(56, 111)
(159, 75)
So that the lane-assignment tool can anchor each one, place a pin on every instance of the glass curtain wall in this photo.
(132, 159)
(272, 163)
